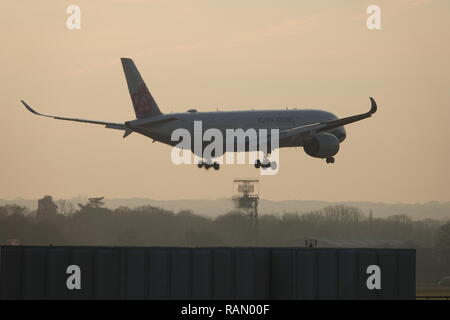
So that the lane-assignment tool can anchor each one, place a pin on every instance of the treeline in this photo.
(151, 226)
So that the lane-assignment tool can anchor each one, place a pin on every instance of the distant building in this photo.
(46, 208)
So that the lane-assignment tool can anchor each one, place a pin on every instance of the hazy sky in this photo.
(231, 55)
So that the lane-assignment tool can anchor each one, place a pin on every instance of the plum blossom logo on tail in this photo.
(141, 101)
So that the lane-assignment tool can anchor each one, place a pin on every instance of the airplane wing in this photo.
(313, 128)
(109, 125)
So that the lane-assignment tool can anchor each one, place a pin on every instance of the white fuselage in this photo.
(222, 120)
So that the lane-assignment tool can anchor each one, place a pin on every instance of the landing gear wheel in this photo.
(216, 166)
(200, 164)
(257, 164)
(273, 165)
(330, 160)
(266, 165)
(207, 165)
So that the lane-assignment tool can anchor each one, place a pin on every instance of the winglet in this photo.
(373, 107)
(30, 108)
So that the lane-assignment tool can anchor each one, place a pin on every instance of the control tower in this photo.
(246, 197)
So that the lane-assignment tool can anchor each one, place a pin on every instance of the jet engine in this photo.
(322, 145)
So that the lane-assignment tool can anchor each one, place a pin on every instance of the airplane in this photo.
(319, 132)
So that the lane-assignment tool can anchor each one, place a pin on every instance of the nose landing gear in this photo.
(330, 160)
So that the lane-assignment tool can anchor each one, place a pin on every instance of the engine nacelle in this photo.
(322, 145)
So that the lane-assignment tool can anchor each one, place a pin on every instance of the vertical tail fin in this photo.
(143, 103)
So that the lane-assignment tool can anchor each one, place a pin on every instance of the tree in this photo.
(93, 203)
(443, 243)
(342, 214)
(65, 207)
(443, 237)
(11, 209)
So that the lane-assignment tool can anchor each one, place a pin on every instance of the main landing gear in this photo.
(207, 165)
(330, 160)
